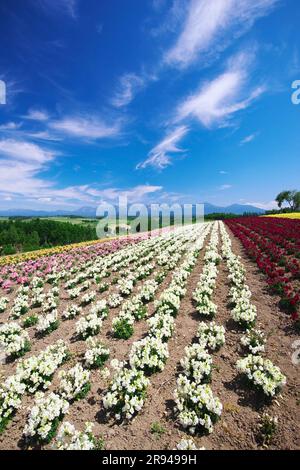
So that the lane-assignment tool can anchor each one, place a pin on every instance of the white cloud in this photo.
(68, 7)
(210, 25)
(264, 205)
(10, 126)
(82, 127)
(37, 115)
(222, 172)
(135, 194)
(216, 101)
(21, 161)
(248, 139)
(129, 85)
(44, 135)
(159, 156)
(25, 151)
(21, 164)
(224, 187)
(157, 5)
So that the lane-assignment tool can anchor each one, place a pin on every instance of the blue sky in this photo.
(159, 100)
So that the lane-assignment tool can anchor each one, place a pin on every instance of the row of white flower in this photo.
(134, 308)
(127, 391)
(33, 296)
(243, 311)
(48, 410)
(32, 374)
(36, 376)
(197, 408)
(206, 285)
(16, 341)
(260, 372)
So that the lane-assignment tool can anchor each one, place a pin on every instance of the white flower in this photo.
(89, 325)
(149, 354)
(196, 406)
(126, 394)
(72, 311)
(187, 444)
(68, 438)
(21, 305)
(114, 300)
(100, 309)
(262, 373)
(14, 339)
(96, 354)
(3, 304)
(161, 325)
(37, 371)
(74, 382)
(211, 335)
(43, 415)
(254, 341)
(197, 363)
(88, 298)
(47, 322)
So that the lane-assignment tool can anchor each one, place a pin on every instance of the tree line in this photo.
(287, 201)
(34, 234)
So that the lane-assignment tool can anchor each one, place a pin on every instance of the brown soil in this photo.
(238, 427)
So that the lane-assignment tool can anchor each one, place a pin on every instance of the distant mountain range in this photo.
(90, 212)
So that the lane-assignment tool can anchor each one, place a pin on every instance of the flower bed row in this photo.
(274, 244)
(128, 389)
(197, 407)
(261, 373)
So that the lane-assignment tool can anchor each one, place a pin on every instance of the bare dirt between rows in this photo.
(238, 427)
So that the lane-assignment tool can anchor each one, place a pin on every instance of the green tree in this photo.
(291, 197)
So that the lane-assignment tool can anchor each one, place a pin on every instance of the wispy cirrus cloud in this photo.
(135, 194)
(129, 85)
(37, 115)
(67, 7)
(264, 205)
(92, 128)
(10, 126)
(224, 187)
(249, 138)
(25, 151)
(210, 25)
(219, 99)
(160, 156)
(21, 162)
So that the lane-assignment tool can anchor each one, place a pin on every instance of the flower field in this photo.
(163, 342)
(292, 215)
(274, 244)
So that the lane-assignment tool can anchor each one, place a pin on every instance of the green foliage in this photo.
(31, 320)
(22, 352)
(8, 250)
(51, 328)
(157, 429)
(99, 443)
(4, 422)
(140, 313)
(268, 428)
(122, 329)
(18, 235)
(84, 391)
(290, 197)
